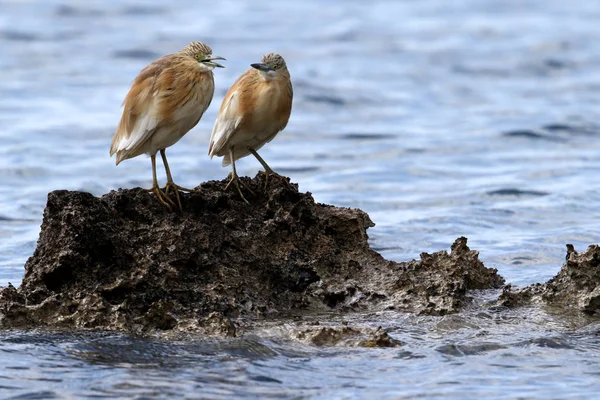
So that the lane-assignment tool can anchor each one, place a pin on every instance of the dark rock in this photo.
(345, 336)
(575, 288)
(124, 262)
(437, 284)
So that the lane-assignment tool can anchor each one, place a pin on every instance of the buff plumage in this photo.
(255, 109)
(165, 101)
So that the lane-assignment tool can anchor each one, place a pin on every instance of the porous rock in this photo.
(125, 262)
(346, 336)
(575, 288)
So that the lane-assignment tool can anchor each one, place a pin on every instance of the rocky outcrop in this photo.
(124, 262)
(575, 288)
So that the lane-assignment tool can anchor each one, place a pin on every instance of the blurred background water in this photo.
(438, 118)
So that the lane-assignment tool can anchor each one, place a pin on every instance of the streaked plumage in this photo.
(165, 101)
(254, 110)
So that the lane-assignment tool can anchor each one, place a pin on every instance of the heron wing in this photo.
(227, 121)
(141, 113)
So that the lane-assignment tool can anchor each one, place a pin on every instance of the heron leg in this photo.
(170, 184)
(235, 179)
(268, 170)
(162, 197)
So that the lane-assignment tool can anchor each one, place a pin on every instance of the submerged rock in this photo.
(124, 262)
(345, 336)
(575, 287)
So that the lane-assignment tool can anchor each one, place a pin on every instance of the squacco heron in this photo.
(254, 110)
(165, 101)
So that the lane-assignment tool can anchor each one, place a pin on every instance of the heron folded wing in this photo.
(130, 145)
(140, 120)
(227, 121)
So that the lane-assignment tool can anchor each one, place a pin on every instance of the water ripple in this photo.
(468, 118)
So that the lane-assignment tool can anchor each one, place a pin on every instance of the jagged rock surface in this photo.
(575, 287)
(346, 336)
(124, 262)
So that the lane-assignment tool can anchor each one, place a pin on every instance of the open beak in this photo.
(261, 67)
(209, 61)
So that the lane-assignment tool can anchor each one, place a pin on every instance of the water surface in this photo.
(440, 119)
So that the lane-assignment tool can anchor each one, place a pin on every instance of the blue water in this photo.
(439, 118)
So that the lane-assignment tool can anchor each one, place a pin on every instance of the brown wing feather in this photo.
(158, 93)
(259, 111)
(138, 99)
(233, 111)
